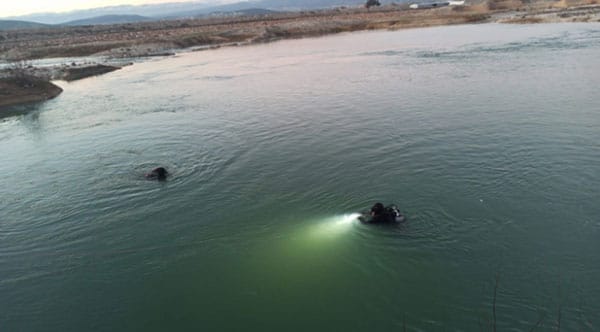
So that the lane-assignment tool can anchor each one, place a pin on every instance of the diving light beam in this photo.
(333, 226)
(348, 218)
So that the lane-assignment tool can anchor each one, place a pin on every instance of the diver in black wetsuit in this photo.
(380, 214)
(159, 173)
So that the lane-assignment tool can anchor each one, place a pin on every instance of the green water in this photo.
(486, 136)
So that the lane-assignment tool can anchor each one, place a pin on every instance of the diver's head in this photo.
(159, 173)
(377, 209)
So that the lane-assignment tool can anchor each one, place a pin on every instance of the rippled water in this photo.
(486, 136)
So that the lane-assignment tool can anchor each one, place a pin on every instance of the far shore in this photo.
(126, 41)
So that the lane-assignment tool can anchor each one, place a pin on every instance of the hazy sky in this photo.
(21, 7)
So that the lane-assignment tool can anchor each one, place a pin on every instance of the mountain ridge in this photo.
(108, 19)
(180, 10)
(18, 24)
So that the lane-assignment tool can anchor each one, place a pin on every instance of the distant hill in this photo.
(253, 11)
(109, 19)
(309, 4)
(269, 5)
(16, 25)
(184, 9)
(235, 11)
(150, 10)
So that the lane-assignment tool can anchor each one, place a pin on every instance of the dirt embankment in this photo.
(162, 37)
(77, 73)
(542, 11)
(23, 85)
(23, 90)
(150, 38)
(555, 14)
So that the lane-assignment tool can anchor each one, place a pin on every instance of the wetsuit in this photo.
(381, 215)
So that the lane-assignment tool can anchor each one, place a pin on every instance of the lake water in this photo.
(486, 136)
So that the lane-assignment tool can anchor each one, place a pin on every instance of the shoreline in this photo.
(21, 85)
(165, 38)
(21, 91)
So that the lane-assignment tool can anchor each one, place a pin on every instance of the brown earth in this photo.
(162, 37)
(15, 91)
(77, 73)
(149, 38)
(30, 84)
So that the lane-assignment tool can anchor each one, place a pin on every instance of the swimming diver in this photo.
(382, 215)
(159, 173)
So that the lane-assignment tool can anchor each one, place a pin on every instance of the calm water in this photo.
(486, 136)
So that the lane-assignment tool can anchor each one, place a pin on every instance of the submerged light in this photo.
(348, 218)
(333, 226)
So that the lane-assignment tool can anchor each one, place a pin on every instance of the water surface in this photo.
(486, 136)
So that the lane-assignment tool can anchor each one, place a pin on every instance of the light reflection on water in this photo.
(333, 226)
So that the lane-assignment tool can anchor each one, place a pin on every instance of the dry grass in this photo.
(574, 3)
(524, 20)
(481, 8)
(561, 4)
(504, 4)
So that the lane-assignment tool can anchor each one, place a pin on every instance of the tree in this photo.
(371, 3)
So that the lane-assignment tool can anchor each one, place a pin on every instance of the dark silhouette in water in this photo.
(159, 173)
(382, 215)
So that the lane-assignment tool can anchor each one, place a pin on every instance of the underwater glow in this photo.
(334, 226)
(348, 218)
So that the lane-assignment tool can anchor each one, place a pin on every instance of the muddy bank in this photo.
(77, 73)
(25, 90)
(24, 85)
(61, 72)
